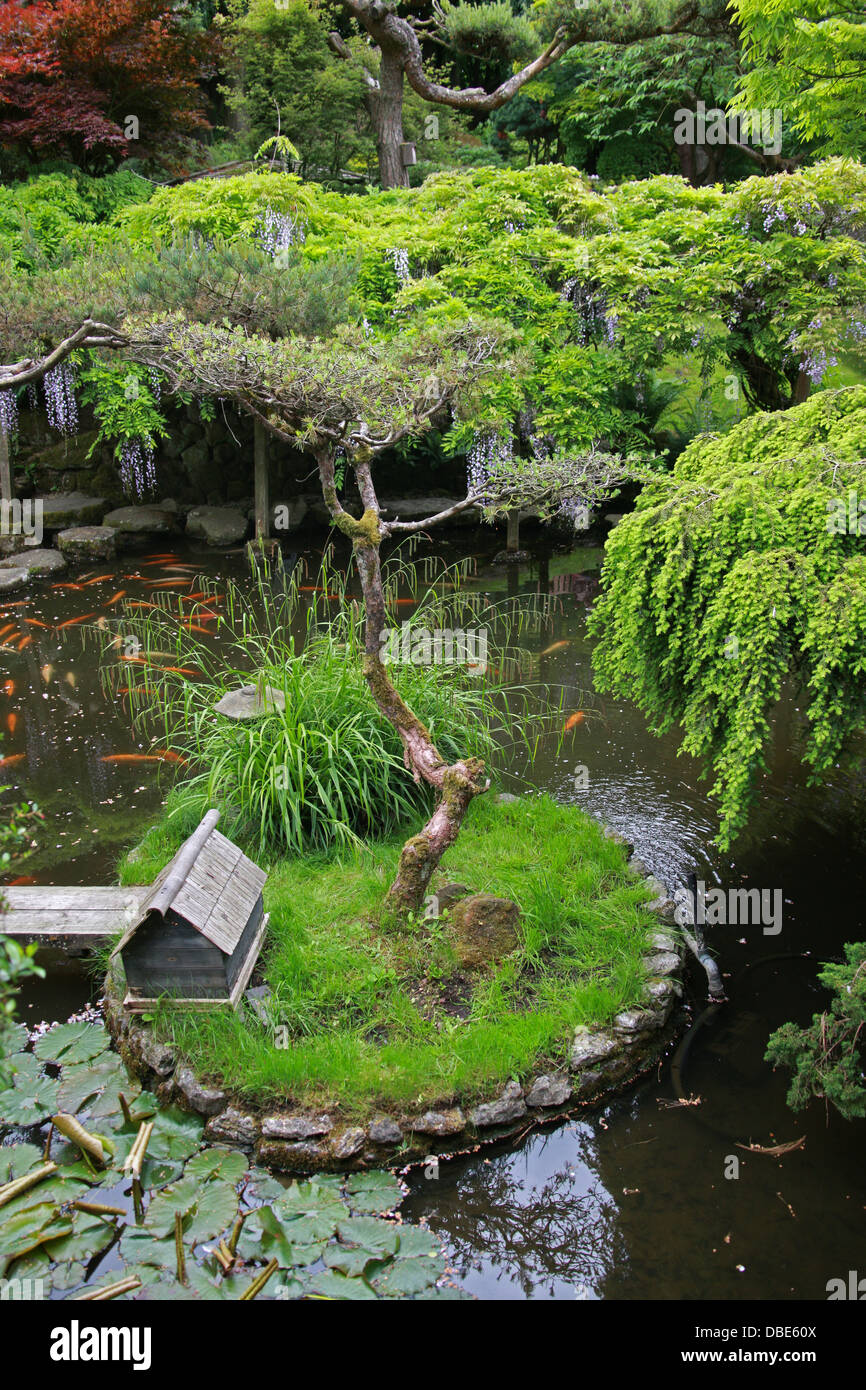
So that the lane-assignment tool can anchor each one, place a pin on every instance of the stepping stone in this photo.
(62, 509)
(247, 702)
(218, 526)
(87, 542)
(133, 521)
(17, 570)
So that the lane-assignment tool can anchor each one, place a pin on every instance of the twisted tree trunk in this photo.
(457, 782)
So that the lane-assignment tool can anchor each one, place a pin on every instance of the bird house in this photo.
(199, 929)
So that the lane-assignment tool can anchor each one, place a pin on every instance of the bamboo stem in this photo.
(122, 1286)
(87, 1143)
(258, 1284)
(236, 1231)
(98, 1209)
(46, 1152)
(137, 1202)
(124, 1105)
(135, 1158)
(178, 1247)
(13, 1189)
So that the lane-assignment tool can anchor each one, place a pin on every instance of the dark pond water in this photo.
(625, 1201)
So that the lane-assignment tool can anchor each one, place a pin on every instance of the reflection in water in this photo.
(629, 1200)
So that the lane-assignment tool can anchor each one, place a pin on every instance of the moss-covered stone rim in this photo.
(299, 1140)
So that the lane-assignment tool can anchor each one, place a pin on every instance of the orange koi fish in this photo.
(572, 721)
(12, 759)
(141, 603)
(162, 755)
(11, 722)
(100, 579)
(9, 688)
(23, 879)
(121, 593)
(34, 622)
(10, 627)
(25, 642)
(79, 587)
(71, 622)
(556, 647)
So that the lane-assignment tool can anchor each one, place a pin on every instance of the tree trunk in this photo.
(386, 110)
(5, 470)
(260, 482)
(457, 783)
(512, 534)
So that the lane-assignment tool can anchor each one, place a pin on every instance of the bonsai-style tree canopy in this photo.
(353, 397)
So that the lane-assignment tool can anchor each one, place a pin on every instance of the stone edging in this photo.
(602, 1061)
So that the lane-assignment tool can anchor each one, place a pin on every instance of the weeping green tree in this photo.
(742, 570)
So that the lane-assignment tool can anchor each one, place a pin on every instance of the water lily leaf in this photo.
(158, 1173)
(208, 1209)
(261, 1186)
(15, 1037)
(352, 1260)
(89, 1235)
(415, 1241)
(226, 1164)
(18, 1159)
(176, 1135)
(140, 1246)
(23, 1067)
(381, 1195)
(264, 1236)
(29, 1106)
(313, 1212)
(365, 1230)
(79, 1083)
(404, 1278)
(71, 1274)
(27, 1229)
(72, 1042)
(330, 1284)
(57, 1189)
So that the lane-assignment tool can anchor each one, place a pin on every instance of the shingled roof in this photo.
(209, 883)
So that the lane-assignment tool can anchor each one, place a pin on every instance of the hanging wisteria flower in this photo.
(488, 452)
(8, 413)
(400, 257)
(60, 404)
(277, 231)
(138, 467)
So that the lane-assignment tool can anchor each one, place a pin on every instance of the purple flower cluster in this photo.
(488, 451)
(817, 363)
(61, 406)
(138, 467)
(8, 413)
(277, 231)
(400, 257)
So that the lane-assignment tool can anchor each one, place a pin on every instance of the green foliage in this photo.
(828, 1058)
(326, 770)
(488, 30)
(734, 574)
(806, 57)
(122, 394)
(367, 1012)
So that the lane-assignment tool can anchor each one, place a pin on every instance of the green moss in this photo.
(370, 1016)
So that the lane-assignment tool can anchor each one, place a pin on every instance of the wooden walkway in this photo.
(72, 919)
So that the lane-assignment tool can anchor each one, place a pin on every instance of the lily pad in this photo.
(405, 1278)
(366, 1231)
(374, 1192)
(311, 1212)
(226, 1164)
(30, 1104)
(79, 1083)
(176, 1135)
(352, 1260)
(330, 1284)
(264, 1236)
(18, 1159)
(415, 1241)
(22, 1067)
(207, 1209)
(72, 1042)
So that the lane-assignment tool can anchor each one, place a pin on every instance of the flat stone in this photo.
(307, 1157)
(34, 563)
(12, 579)
(439, 1123)
(663, 907)
(135, 520)
(618, 839)
(661, 993)
(218, 526)
(349, 1143)
(638, 865)
(504, 1110)
(547, 1091)
(13, 544)
(87, 542)
(384, 1130)
(62, 509)
(204, 1100)
(589, 1048)
(661, 963)
(485, 928)
(505, 798)
(663, 941)
(250, 702)
(588, 1083)
(156, 1055)
(232, 1127)
(633, 1021)
(292, 1128)
(655, 888)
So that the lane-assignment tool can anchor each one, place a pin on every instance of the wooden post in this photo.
(260, 456)
(512, 541)
(5, 471)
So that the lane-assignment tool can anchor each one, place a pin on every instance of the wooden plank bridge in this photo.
(72, 920)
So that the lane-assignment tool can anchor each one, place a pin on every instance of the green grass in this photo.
(386, 1019)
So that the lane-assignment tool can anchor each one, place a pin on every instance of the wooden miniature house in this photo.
(199, 929)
